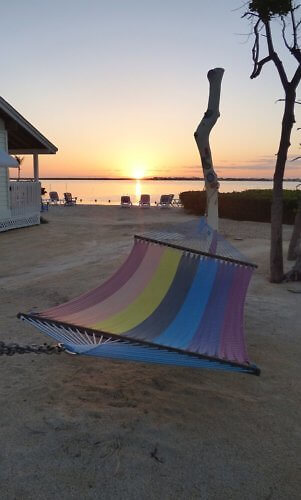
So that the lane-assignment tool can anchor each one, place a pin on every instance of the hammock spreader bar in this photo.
(197, 252)
(80, 340)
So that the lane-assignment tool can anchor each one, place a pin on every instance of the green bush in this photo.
(253, 204)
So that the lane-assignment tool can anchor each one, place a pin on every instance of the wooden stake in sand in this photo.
(202, 139)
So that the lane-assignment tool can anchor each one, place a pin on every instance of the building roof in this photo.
(23, 138)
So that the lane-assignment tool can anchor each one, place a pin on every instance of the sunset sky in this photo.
(119, 86)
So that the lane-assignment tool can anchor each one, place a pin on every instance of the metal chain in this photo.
(14, 348)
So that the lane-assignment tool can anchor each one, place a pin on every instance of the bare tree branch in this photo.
(297, 77)
(295, 37)
(298, 24)
(249, 14)
(279, 100)
(297, 54)
(274, 56)
(294, 48)
(255, 48)
(283, 30)
(258, 66)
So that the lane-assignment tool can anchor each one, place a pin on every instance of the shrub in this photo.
(252, 204)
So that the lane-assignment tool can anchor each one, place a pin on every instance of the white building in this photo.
(20, 201)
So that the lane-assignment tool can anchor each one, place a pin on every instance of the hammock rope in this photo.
(13, 348)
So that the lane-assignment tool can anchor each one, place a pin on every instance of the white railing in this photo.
(25, 197)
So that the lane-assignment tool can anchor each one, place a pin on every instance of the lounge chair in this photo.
(69, 201)
(54, 198)
(125, 201)
(176, 202)
(165, 201)
(144, 201)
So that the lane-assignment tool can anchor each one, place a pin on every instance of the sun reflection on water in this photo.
(138, 189)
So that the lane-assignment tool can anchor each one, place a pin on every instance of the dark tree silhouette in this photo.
(20, 160)
(263, 14)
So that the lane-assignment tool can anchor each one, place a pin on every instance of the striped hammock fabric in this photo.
(166, 304)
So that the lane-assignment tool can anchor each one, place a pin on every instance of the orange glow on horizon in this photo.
(143, 162)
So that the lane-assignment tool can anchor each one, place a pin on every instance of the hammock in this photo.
(178, 299)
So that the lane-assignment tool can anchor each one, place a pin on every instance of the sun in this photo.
(138, 171)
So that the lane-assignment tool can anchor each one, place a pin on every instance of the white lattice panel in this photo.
(16, 222)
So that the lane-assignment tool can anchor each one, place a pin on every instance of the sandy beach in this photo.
(82, 428)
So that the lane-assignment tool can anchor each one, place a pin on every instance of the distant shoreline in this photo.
(233, 179)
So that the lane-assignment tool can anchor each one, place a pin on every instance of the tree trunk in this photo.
(276, 254)
(202, 139)
(292, 249)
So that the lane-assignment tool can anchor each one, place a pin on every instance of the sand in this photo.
(84, 428)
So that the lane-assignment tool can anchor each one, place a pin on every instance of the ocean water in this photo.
(104, 192)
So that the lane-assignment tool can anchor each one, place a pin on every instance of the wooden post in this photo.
(202, 139)
(36, 166)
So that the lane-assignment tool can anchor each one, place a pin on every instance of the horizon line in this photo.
(157, 178)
